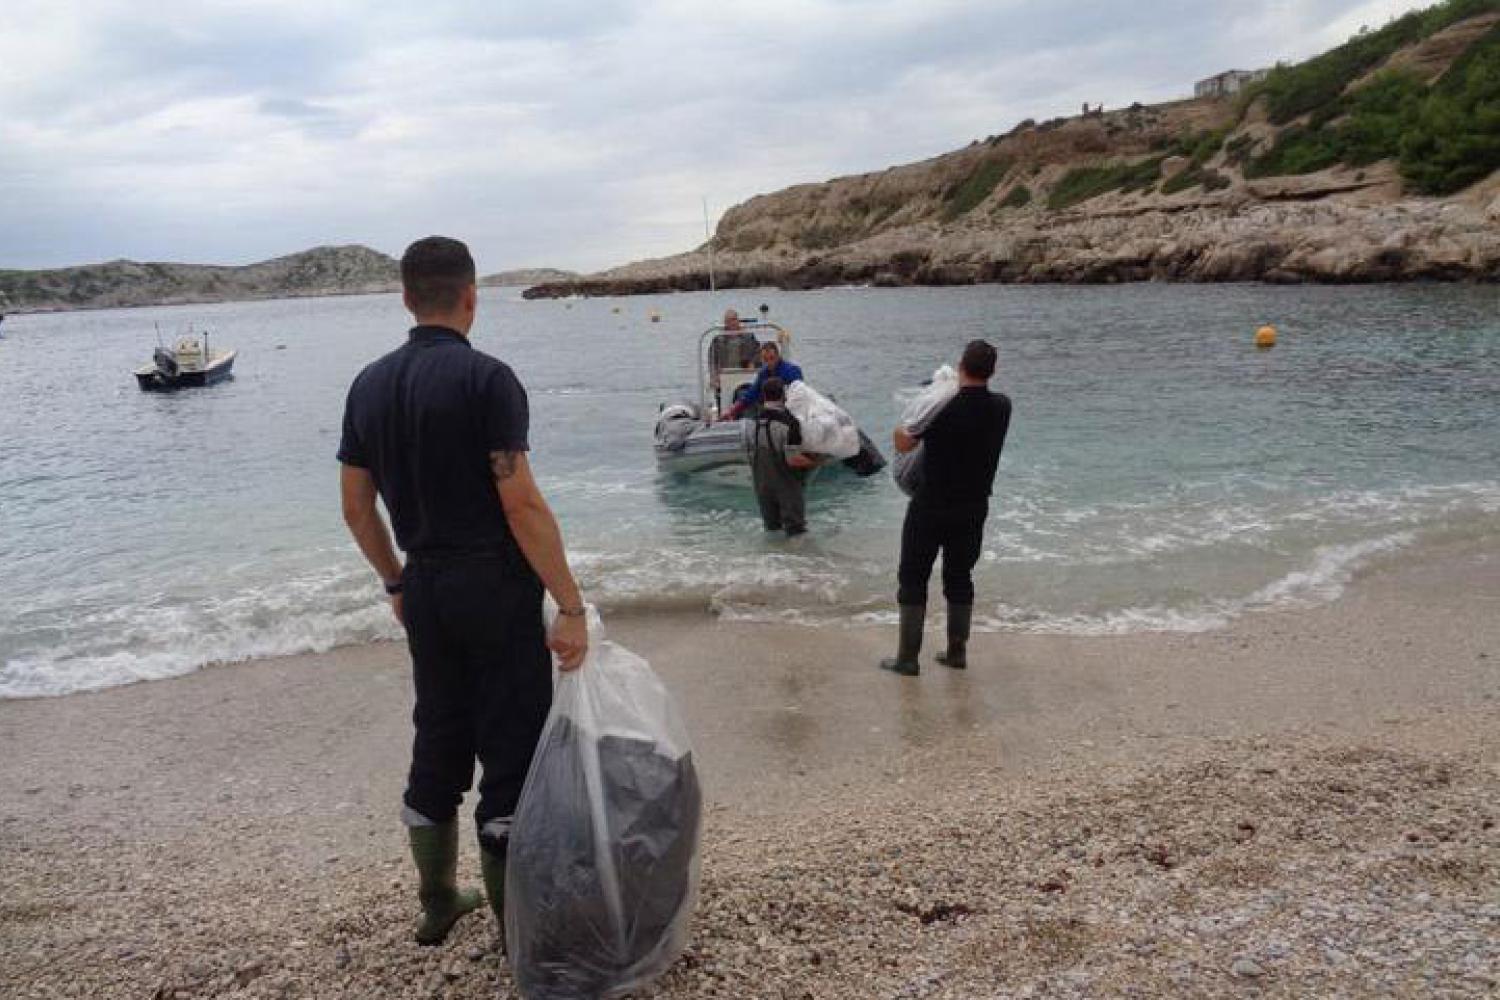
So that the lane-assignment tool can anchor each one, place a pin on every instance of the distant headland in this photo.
(345, 270)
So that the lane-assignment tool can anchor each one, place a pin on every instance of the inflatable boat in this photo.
(691, 440)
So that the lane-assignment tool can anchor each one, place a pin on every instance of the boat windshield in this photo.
(730, 358)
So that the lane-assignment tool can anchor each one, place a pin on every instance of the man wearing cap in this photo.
(439, 432)
(961, 450)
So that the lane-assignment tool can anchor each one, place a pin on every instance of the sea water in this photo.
(1161, 473)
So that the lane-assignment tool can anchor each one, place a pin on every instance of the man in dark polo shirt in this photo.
(961, 450)
(438, 430)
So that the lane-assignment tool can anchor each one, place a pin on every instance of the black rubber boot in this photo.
(909, 643)
(493, 867)
(435, 851)
(957, 655)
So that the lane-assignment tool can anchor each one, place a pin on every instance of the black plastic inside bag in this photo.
(578, 939)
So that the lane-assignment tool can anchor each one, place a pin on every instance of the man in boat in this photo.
(777, 461)
(961, 450)
(736, 347)
(772, 365)
(439, 431)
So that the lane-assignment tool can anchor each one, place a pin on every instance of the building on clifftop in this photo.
(1228, 83)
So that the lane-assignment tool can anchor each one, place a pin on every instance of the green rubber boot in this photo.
(435, 851)
(493, 867)
(909, 643)
(957, 654)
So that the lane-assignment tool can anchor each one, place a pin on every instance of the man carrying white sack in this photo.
(438, 430)
(961, 451)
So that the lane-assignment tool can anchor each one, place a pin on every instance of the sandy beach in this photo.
(1302, 804)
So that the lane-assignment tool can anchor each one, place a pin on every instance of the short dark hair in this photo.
(774, 391)
(772, 345)
(979, 359)
(435, 271)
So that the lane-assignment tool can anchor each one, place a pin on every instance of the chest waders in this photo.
(778, 490)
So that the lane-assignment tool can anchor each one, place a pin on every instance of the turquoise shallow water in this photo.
(1161, 474)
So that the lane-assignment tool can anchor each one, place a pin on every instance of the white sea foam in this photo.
(1322, 578)
(109, 640)
(130, 642)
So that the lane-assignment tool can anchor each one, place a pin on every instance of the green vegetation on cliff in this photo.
(1291, 91)
(1445, 136)
(965, 196)
(1017, 197)
(1082, 183)
(1455, 139)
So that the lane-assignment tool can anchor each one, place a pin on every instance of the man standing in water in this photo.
(961, 450)
(438, 430)
(777, 462)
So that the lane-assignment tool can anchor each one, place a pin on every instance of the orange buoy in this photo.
(1265, 337)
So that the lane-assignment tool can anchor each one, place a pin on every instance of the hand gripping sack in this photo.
(826, 429)
(918, 415)
(602, 873)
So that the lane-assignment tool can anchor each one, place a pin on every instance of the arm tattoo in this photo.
(503, 464)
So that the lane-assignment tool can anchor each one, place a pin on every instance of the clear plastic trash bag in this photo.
(916, 418)
(826, 428)
(602, 872)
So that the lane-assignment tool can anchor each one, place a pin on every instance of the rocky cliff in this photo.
(1373, 162)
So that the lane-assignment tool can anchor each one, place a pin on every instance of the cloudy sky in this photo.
(567, 133)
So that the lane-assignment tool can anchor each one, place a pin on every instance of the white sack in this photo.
(916, 418)
(826, 429)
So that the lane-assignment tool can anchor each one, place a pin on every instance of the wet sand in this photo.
(234, 833)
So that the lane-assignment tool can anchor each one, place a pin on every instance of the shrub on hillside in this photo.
(1455, 137)
(1290, 91)
(1017, 197)
(1082, 183)
(1209, 180)
(1446, 136)
(963, 197)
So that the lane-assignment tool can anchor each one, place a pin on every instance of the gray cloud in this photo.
(579, 134)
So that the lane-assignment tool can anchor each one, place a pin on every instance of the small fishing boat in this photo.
(690, 439)
(189, 363)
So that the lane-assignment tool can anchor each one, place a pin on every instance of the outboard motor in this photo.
(675, 424)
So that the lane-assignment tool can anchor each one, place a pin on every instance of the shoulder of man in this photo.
(492, 368)
(373, 371)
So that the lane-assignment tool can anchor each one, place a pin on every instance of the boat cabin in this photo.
(729, 358)
(190, 354)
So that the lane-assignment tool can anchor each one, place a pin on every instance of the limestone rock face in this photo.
(1211, 240)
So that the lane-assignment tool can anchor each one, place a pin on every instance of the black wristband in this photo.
(393, 587)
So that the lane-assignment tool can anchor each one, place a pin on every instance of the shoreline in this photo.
(799, 281)
(1310, 793)
(1302, 588)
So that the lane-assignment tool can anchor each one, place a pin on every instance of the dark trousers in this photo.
(781, 500)
(958, 533)
(483, 681)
